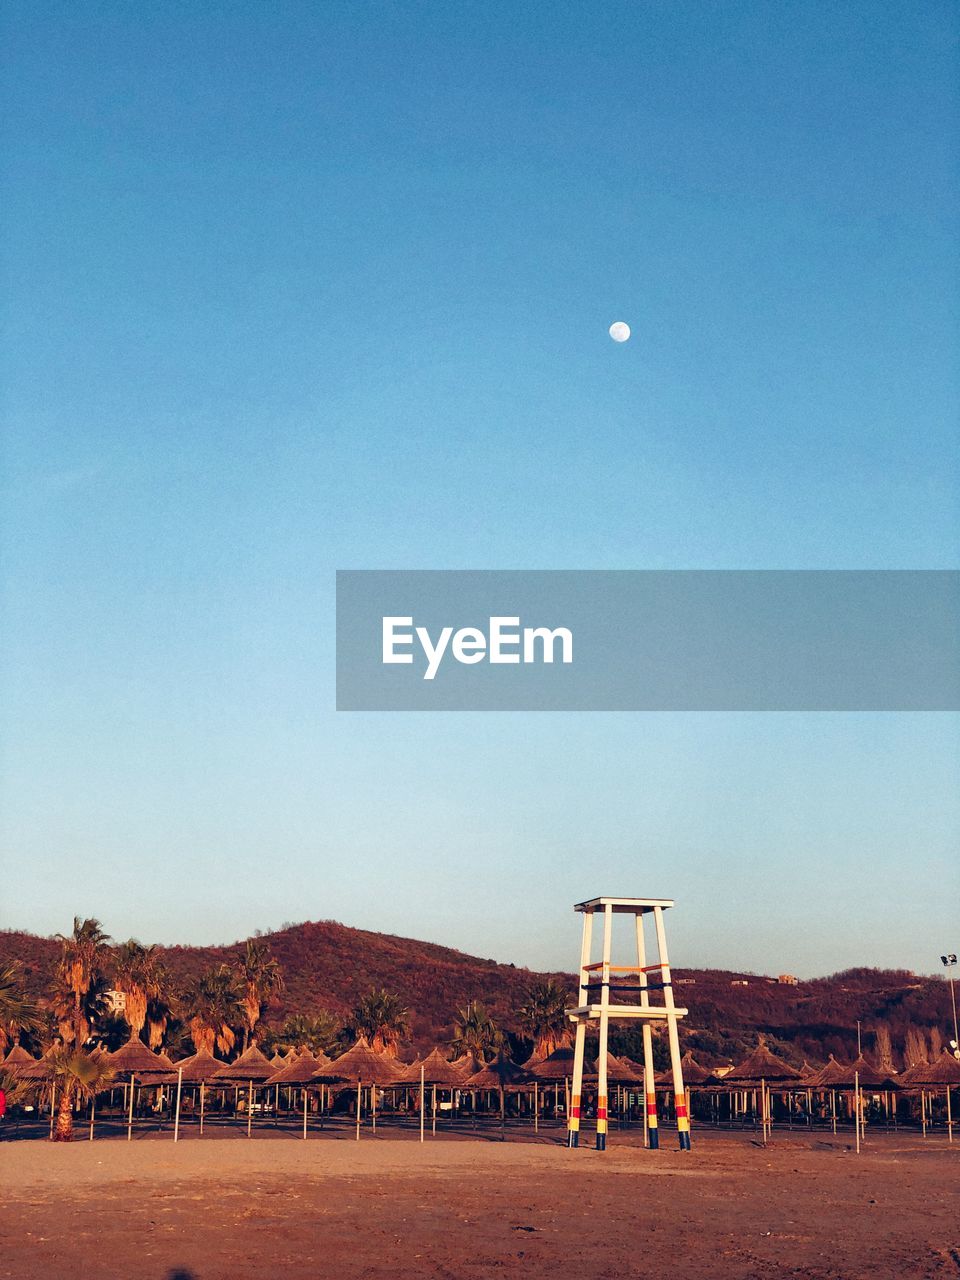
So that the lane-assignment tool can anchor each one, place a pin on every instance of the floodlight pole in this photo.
(950, 963)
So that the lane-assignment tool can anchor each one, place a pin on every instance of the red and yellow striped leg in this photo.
(573, 1121)
(683, 1120)
(653, 1133)
(601, 1123)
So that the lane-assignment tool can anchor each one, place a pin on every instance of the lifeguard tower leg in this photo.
(604, 1031)
(679, 1094)
(649, 1087)
(573, 1120)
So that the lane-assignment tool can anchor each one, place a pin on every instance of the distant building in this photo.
(685, 982)
(739, 982)
(787, 980)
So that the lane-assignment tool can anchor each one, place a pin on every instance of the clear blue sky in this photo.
(296, 287)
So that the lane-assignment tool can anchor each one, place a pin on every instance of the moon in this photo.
(619, 331)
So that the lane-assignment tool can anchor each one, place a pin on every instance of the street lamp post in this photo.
(950, 963)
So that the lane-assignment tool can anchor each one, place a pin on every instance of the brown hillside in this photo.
(328, 966)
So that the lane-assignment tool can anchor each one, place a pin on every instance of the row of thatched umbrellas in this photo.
(135, 1064)
(767, 1070)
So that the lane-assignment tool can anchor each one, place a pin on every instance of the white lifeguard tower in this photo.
(601, 979)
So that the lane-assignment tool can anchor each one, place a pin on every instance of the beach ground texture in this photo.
(225, 1209)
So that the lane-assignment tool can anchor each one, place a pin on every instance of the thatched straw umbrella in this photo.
(38, 1070)
(199, 1067)
(556, 1066)
(831, 1077)
(499, 1075)
(252, 1068)
(528, 1068)
(943, 1074)
(138, 1064)
(197, 1070)
(693, 1072)
(436, 1070)
(695, 1076)
(410, 1073)
(441, 1071)
(619, 1073)
(861, 1075)
(16, 1060)
(869, 1076)
(946, 1070)
(468, 1064)
(368, 1069)
(807, 1072)
(762, 1068)
(360, 1063)
(134, 1058)
(762, 1065)
(44, 1070)
(552, 1069)
(299, 1070)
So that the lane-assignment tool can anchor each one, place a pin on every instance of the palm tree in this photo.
(383, 1018)
(95, 1009)
(261, 977)
(139, 975)
(543, 1017)
(476, 1032)
(17, 1012)
(75, 1074)
(317, 1032)
(211, 1005)
(159, 1014)
(81, 964)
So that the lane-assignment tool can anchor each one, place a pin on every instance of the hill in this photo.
(328, 965)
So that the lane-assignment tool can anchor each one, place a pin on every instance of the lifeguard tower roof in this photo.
(631, 906)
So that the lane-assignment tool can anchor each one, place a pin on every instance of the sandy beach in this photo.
(221, 1209)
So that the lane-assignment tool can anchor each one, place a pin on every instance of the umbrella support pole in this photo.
(130, 1111)
(949, 1118)
(422, 1117)
(176, 1122)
